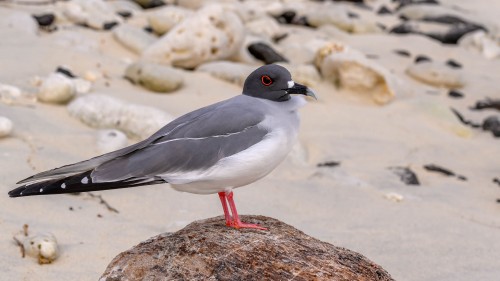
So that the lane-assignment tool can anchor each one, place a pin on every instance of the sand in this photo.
(443, 229)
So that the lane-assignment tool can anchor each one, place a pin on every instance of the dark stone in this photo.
(265, 53)
(124, 14)
(406, 175)
(446, 19)
(109, 25)
(455, 94)
(403, 28)
(150, 4)
(403, 3)
(497, 181)
(422, 58)
(487, 104)
(352, 15)
(286, 17)
(403, 53)
(302, 21)
(463, 120)
(278, 38)
(382, 26)
(454, 33)
(328, 164)
(453, 64)
(44, 20)
(209, 250)
(438, 169)
(65, 71)
(492, 124)
(383, 10)
(148, 29)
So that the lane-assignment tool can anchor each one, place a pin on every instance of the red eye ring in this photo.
(266, 80)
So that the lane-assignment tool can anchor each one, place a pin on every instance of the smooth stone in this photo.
(105, 112)
(56, 88)
(212, 33)
(5, 126)
(422, 58)
(155, 77)
(133, 38)
(266, 27)
(453, 63)
(200, 252)
(492, 123)
(110, 140)
(455, 94)
(479, 41)
(65, 71)
(437, 74)
(96, 14)
(82, 86)
(18, 22)
(164, 19)
(265, 53)
(232, 72)
(305, 74)
(150, 4)
(45, 20)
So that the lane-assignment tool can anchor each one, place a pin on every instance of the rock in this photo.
(42, 246)
(403, 53)
(437, 74)
(305, 74)
(105, 112)
(110, 140)
(56, 88)
(287, 17)
(481, 42)
(406, 175)
(96, 14)
(65, 71)
(394, 197)
(232, 72)
(339, 16)
(265, 53)
(154, 77)
(9, 93)
(453, 64)
(492, 123)
(486, 104)
(149, 4)
(82, 86)
(265, 27)
(164, 19)
(422, 58)
(5, 126)
(455, 94)
(453, 35)
(18, 22)
(351, 70)
(212, 33)
(133, 38)
(200, 252)
(383, 10)
(44, 20)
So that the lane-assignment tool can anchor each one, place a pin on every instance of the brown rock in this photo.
(208, 250)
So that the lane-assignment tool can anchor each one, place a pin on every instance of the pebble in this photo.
(487, 103)
(340, 17)
(155, 77)
(383, 10)
(65, 71)
(406, 175)
(110, 140)
(44, 20)
(481, 42)
(436, 74)
(422, 58)
(42, 246)
(5, 127)
(164, 19)
(212, 33)
(265, 53)
(56, 88)
(105, 112)
(287, 17)
(393, 196)
(455, 94)
(82, 86)
(453, 64)
(403, 53)
(305, 74)
(492, 123)
(95, 14)
(265, 27)
(233, 72)
(149, 4)
(133, 38)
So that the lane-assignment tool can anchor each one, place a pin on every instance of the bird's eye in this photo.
(266, 80)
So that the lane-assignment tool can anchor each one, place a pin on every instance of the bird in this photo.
(214, 149)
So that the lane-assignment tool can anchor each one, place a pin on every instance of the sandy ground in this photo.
(444, 229)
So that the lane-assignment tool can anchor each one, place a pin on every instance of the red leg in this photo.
(236, 219)
(227, 215)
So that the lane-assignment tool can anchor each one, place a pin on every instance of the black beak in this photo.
(299, 89)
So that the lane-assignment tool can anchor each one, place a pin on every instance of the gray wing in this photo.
(193, 141)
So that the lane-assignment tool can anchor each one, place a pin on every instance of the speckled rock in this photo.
(105, 112)
(42, 246)
(5, 126)
(56, 88)
(265, 27)
(306, 74)
(232, 72)
(437, 74)
(212, 33)
(208, 250)
(165, 18)
(133, 38)
(155, 77)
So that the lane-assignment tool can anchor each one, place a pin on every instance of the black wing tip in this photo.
(17, 192)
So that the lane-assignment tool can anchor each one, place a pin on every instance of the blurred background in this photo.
(398, 159)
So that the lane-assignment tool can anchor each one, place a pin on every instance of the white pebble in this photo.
(42, 246)
(395, 197)
(5, 126)
(56, 88)
(110, 140)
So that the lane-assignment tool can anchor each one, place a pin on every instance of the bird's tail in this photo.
(77, 183)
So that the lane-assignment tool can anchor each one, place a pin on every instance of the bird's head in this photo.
(273, 82)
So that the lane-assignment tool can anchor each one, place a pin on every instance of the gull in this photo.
(214, 149)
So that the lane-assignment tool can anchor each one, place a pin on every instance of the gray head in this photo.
(273, 82)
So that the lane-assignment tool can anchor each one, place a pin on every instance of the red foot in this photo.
(234, 220)
(247, 225)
